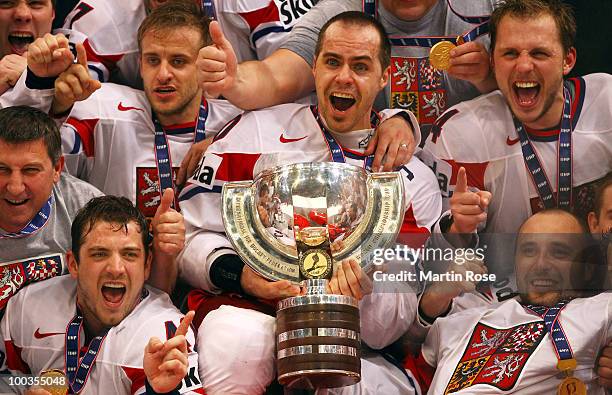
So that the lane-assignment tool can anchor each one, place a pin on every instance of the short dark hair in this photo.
(599, 193)
(111, 209)
(560, 12)
(360, 19)
(173, 15)
(22, 124)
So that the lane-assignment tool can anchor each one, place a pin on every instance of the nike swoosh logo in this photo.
(39, 335)
(509, 141)
(121, 107)
(285, 140)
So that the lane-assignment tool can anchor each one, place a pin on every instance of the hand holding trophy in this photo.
(293, 223)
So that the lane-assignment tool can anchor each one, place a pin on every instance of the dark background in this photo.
(594, 36)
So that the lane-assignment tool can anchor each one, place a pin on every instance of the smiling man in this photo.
(539, 142)
(37, 200)
(351, 68)
(509, 347)
(101, 326)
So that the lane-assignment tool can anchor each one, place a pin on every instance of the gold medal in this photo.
(571, 386)
(54, 381)
(439, 55)
(567, 365)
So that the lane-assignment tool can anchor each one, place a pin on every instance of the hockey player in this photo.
(510, 346)
(539, 142)
(414, 85)
(129, 142)
(351, 68)
(101, 326)
(37, 200)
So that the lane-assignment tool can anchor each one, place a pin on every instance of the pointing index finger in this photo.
(183, 328)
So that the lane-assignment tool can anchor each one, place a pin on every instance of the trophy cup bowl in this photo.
(292, 223)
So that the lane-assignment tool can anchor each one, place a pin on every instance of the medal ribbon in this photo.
(39, 220)
(564, 148)
(163, 160)
(550, 315)
(370, 8)
(208, 6)
(78, 373)
(335, 149)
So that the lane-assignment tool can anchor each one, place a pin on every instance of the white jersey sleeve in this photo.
(201, 205)
(31, 91)
(256, 28)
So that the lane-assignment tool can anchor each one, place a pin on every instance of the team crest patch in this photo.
(496, 356)
(418, 87)
(17, 274)
(147, 189)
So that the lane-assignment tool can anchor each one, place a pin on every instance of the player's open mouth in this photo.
(113, 293)
(164, 90)
(341, 101)
(20, 41)
(16, 202)
(526, 92)
(543, 283)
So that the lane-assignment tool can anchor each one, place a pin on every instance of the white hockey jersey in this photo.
(108, 30)
(256, 28)
(506, 349)
(480, 136)
(109, 141)
(280, 135)
(36, 341)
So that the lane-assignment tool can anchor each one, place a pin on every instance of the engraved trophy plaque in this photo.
(293, 223)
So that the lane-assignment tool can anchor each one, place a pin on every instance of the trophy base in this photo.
(319, 378)
(317, 339)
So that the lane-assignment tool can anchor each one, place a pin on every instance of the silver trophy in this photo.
(292, 223)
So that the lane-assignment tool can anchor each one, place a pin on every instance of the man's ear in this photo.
(57, 169)
(73, 266)
(569, 61)
(384, 79)
(148, 263)
(593, 222)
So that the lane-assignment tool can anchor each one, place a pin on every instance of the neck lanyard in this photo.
(335, 150)
(163, 160)
(39, 221)
(370, 8)
(208, 6)
(550, 315)
(78, 370)
(566, 362)
(564, 154)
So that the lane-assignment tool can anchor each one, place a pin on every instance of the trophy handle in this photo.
(382, 220)
(239, 221)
